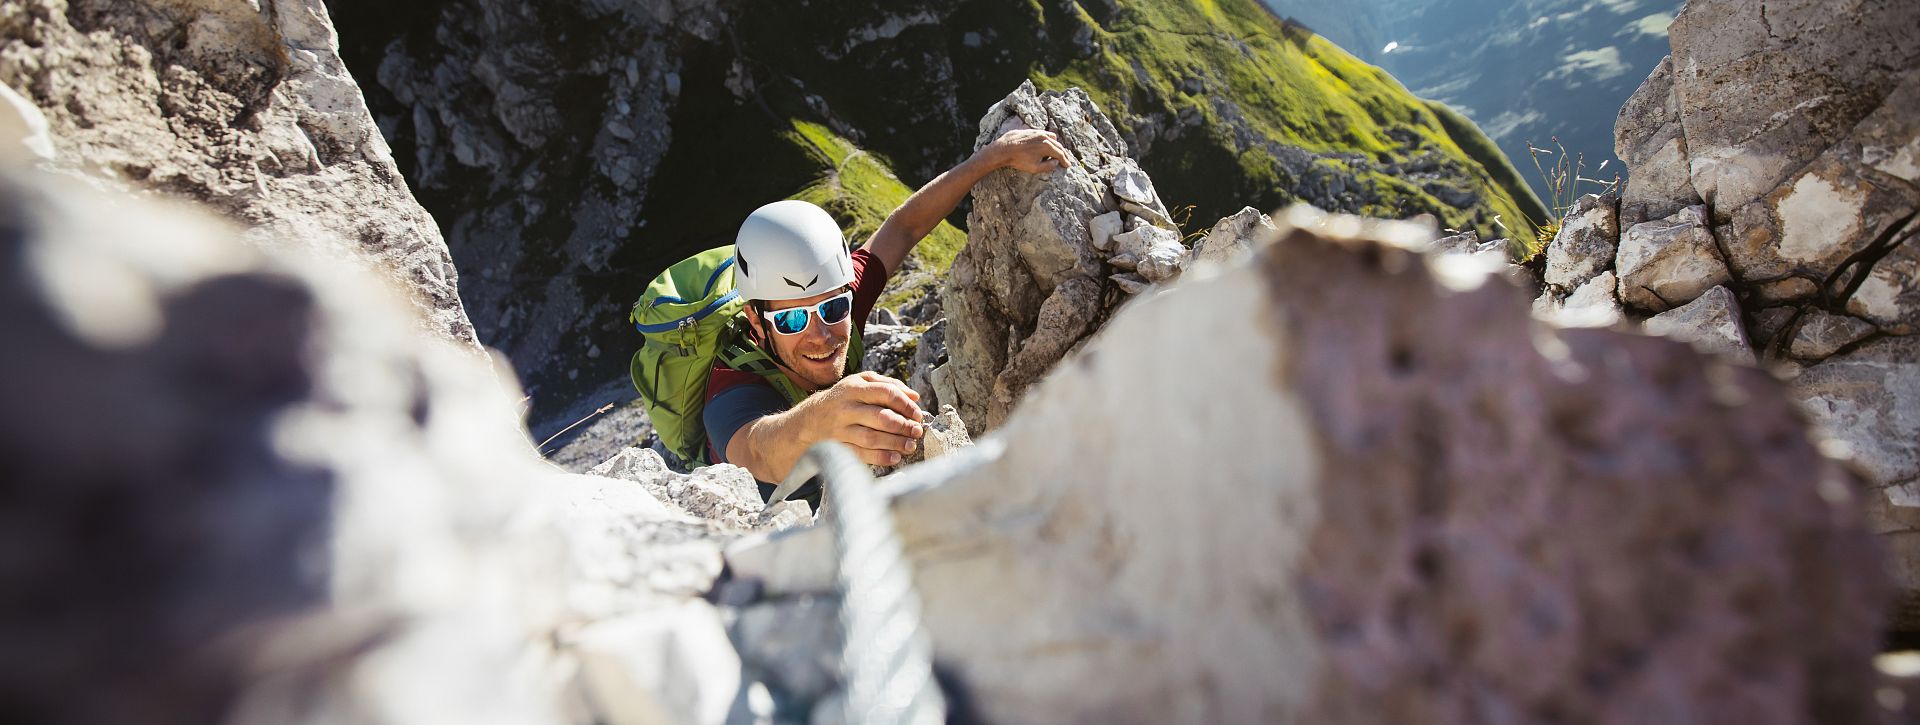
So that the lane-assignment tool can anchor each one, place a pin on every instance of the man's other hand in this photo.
(874, 414)
(1030, 150)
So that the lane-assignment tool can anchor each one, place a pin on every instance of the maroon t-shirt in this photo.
(869, 278)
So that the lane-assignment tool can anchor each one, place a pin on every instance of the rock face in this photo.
(311, 511)
(1711, 322)
(1773, 203)
(1585, 243)
(1043, 267)
(1662, 263)
(246, 109)
(1360, 421)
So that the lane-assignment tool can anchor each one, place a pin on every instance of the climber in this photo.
(806, 297)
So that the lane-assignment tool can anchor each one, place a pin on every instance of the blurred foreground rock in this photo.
(1397, 501)
(244, 486)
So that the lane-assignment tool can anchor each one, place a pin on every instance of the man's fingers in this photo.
(864, 437)
(887, 420)
(888, 393)
(1059, 153)
(876, 458)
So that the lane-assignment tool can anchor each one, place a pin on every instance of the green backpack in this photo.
(690, 318)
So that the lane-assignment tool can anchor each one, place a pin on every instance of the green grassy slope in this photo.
(1236, 70)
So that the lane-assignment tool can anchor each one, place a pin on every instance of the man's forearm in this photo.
(769, 445)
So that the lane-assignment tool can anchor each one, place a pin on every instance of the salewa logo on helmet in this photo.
(802, 287)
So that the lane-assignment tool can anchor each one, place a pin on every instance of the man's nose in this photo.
(820, 330)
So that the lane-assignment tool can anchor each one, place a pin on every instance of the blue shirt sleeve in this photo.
(736, 407)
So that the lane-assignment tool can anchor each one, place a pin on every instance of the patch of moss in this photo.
(860, 191)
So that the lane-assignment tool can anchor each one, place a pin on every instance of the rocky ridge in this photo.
(1770, 217)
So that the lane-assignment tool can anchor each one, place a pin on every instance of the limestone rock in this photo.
(889, 350)
(1463, 242)
(946, 433)
(722, 495)
(23, 130)
(1889, 296)
(1821, 334)
(1711, 322)
(245, 109)
(674, 665)
(1104, 228)
(1764, 88)
(1233, 238)
(929, 355)
(1783, 291)
(294, 471)
(1869, 398)
(1865, 401)
(792, 644)
(1834, 209)
(1585, 244)
(1360, 419)
(347, 506)
(1592, 305)
(1665, 263)
(1649, 138)
(1031, 283)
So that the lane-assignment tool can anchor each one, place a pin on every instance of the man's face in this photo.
(817, 356)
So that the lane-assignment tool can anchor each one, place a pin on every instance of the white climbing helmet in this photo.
(788, 250)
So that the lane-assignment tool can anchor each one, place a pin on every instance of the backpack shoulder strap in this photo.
(741, 354)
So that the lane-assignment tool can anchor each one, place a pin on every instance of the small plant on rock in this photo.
(1563, 178)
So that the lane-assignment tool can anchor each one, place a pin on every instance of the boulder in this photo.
(1031, 282)
(1666, 263)
(1649, 138)
(1835, 210)
(1763, 88)
(1865, 402)
(1584, 246)
(248, 110)
(1711, 323)
(1360, 420)
(722, 495)
(1822, 333)
(318, 513)
(1233, 239)
(309, 503)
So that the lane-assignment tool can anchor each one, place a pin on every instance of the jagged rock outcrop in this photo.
(1414, 505)
(244, 107)
(1047, 256)
(245, 487)
(1774, 182)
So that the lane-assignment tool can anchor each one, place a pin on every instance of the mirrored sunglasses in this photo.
(793, 320)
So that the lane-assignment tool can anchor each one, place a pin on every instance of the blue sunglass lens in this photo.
(790, 321)
(834, 310)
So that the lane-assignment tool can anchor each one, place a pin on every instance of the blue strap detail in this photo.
(670, 299)
(696, 316)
